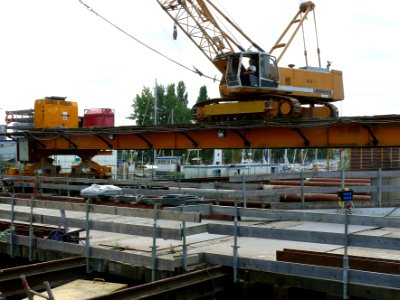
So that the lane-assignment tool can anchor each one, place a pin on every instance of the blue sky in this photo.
(59, 48)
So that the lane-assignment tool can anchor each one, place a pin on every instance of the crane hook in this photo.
(175, 34)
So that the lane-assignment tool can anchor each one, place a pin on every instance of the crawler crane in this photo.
(272, 92)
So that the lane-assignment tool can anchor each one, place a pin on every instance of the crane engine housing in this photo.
(272, 92)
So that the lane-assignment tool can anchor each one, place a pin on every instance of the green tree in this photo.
(162, 105)
(143, 108)
(182, 94)
(168, 107)
(202, 94)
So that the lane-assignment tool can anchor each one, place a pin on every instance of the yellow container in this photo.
(12, 171)
(55, 112)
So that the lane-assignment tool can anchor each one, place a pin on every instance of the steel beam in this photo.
(107, 225)
(345, 132)
(380, 265)
(291, 215)
(307, 236)
(109, 210)
(164, 263)
(387, 281)
(330, 287)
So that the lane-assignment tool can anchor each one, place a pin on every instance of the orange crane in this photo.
(269, 92)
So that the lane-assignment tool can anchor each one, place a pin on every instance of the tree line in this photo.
(164, 105)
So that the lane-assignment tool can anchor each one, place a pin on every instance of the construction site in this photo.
(239, 231)
(200, 240)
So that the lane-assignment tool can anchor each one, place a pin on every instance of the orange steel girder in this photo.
(338, 133)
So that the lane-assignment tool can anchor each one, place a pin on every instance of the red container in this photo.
(98, 117)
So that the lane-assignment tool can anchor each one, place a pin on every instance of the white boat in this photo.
(167, 164)
(218, 169)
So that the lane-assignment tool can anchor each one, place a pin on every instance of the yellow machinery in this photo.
(50, 112)
(53, 112)
(272, 92)
(45, 167)
(89, 169)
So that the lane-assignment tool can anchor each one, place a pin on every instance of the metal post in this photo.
(235, 244)
(87, 246)
(32, 293)
(12, 232)
(244, 192)
(184, 246)
(342, 179)
(48, 290)
(380, 187)
(40, 187)
(68, 191)
(31, 230)
(345, 256)
(302, 188)
(64, 218)
(154, 246)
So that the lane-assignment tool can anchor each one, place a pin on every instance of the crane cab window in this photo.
(233, 71)
(252, 69)
(237, 70)
(249, 71)
(269, 75)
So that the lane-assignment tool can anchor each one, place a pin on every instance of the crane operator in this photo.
(251, 70)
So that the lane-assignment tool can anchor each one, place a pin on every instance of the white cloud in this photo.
(60, 48)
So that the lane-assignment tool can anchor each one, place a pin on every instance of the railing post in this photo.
(345, 256)
(40, 186)
(31, 230)
(235, 243)
(48, 290)
(184, 246)
(68, 191)
(154, 246)
(302, 189)
(12, 233)
(87, 240)
(342, 179)
(244, 192)
(380, 187)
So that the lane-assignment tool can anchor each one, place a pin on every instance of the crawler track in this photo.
(264, 108)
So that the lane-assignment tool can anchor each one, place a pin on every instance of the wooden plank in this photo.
(388, 281)
(336, 260)
(83, 289)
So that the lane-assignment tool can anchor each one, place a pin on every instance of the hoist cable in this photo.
(304, 42)
(194, 70)
(316, 36)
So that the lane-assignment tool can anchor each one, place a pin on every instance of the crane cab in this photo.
(266, 70)
(307, 84)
